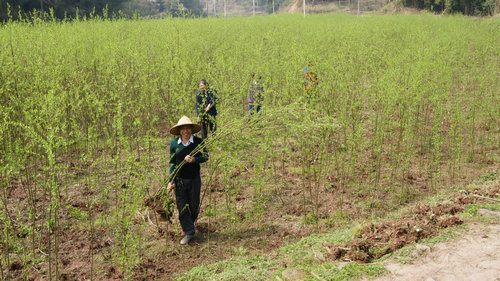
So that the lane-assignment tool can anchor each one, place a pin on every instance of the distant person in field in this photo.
(310, 82)
(206, 108)
(255, 94)
(187, 182)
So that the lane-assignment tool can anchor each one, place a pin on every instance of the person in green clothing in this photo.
(255, 94)
(187, 182)
(206, 108)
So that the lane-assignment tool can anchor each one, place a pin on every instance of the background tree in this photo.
(61, 8)
(466, 7)
(69, 8)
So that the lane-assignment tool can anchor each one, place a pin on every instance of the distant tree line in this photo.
(273, 5)
(466, 7)
(60, 9)
(181, 8)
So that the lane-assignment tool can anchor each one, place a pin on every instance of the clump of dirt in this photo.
(16, 265)
(204, 227)
(162, 204)
(451, 221)
(296, 210)
(375, 241)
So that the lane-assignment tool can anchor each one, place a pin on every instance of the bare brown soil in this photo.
(375, 241)
(474, 255)
(85, 249)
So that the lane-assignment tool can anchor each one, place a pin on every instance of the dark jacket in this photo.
(177, 154)
(204, 98)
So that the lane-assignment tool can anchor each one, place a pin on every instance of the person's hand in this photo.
(189, 159)
(208, 107)
(170, 186)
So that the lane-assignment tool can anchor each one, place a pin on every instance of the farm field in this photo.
(406, 109)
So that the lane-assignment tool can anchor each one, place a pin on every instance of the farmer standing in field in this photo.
(255, 94)
(187, 181)
(310, 82)
(206, 102)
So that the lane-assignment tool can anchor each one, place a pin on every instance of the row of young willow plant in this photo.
(85, 107)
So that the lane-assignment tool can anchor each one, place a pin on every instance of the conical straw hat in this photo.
(184, 121)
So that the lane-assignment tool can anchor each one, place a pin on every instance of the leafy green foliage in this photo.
(85, 107)
(59, 9)
(256, 268)
(351, 271)
(470, 8)
(66, 9)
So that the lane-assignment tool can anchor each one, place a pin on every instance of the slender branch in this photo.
(488, 198)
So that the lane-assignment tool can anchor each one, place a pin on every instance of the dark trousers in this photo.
(252, 108)
(207, 125)
(187, 197)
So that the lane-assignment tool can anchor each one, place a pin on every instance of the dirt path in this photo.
(294, 8)
(473, 256)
